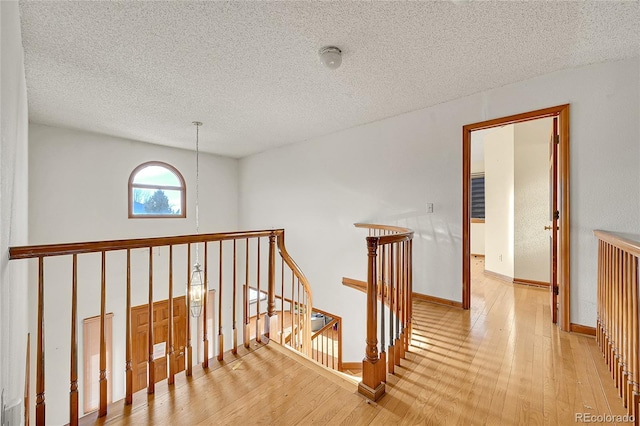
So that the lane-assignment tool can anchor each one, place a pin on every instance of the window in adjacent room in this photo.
(477, 196)
(156, 189)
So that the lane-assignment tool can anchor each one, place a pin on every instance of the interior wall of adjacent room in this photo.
(78, 192)
(531, 200)
(387, 170)
(13, 205)
(499, 201)
(477, 168)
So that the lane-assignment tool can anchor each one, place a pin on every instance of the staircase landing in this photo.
(265, 386)
(502, 362)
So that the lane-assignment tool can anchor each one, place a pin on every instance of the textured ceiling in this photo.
(250, 71)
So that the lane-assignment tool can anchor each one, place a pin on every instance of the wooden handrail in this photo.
(324, 328)
(45, 250)
(324, 342)
(390, 228)
(308, 301)
(389, 279)
(300, 300)
(617, 328)
(624, 241)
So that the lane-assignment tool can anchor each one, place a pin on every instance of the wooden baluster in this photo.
(247, 331)
(396, 343)
(383, 350)
(629, 325)
(340, 346)
(635, 339)
(602, 295)
(282, 301)
(205, 306)
(401, 307)
(616, 319)
(102, 410)
(298, 315)
(271, 324)
(624, 355)
(407, 297)
(235, 300)
(258, 333)
(333, 346)
(326, 341)
(619, 344)
(392, 302)
(292, 312)
(403, 297)
(370, 386)
(170, 337)
(27, 382)
(322, 348)
(607, 281)
(220, 335)
(301, 308)
(128, 399)
(610, 326)
(325, 351)
(378, 272)
(307, 322)
(73, 391)
(151, 364)
(325, 347)
(607, 304)
(189, 360)
(410, 286)
(599, 297)
(40, 400)
(626, 330)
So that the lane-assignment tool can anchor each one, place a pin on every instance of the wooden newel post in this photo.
(371, 385)
(271, 324)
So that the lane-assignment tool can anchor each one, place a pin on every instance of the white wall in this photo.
(531, 202)
(78, 192)
(477, 238)
(13, 204)
(477, 166)
(499, 206)
(387, 170)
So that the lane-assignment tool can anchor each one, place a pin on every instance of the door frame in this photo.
(564, 234)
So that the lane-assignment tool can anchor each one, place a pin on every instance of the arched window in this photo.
(157, 189)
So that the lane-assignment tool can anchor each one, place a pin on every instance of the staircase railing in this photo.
(221, 251)
(617, 331)
(389, 279)
(326, 342)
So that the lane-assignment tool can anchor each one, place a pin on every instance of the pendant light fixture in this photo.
(196, 284)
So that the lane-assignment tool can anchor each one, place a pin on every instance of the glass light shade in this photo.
(330, 56)
(196, 291)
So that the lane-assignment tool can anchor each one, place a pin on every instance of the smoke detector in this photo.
(330, 57)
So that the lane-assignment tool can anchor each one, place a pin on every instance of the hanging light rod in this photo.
(197, 283)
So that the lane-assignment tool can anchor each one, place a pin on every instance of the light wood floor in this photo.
(501, 363)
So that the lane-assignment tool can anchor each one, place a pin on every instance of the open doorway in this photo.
(517, 231)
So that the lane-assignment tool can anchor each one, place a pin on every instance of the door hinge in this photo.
(556, 138)
(556, 290)
(556, 215)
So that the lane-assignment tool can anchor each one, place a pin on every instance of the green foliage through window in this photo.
(156, 190)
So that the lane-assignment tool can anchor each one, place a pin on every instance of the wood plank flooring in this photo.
(500, 363)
